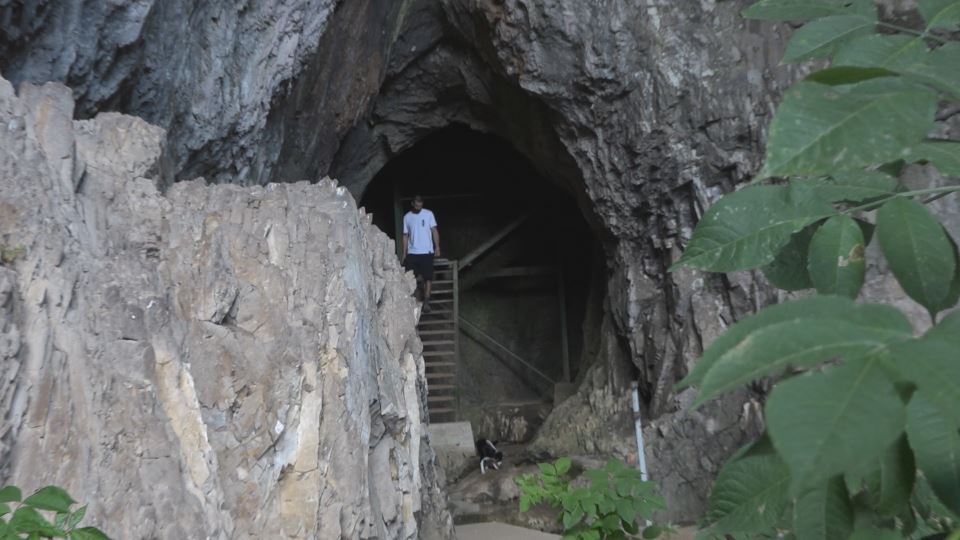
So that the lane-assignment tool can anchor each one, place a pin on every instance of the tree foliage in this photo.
(22, 519)
(862, 433)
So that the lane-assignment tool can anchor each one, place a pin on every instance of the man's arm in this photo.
(436, 241)
(406, 239)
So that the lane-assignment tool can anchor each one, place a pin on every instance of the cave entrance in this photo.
(522, 270)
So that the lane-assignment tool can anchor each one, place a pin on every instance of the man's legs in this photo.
(427, 270)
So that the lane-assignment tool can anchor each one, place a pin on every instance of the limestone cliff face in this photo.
(644, 111)
(212, 362)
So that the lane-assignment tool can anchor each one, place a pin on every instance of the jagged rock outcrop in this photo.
(212, 362)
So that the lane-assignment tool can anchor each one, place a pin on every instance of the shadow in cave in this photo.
(523, 303)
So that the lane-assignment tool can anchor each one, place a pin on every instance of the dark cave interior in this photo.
(478, 185)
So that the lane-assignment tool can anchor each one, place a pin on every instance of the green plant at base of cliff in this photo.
(8, 254)
(614, 504)
(23, 519)
(862, 433)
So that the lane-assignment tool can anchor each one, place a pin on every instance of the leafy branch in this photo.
(614, 505)
(27, 522)
(862, 433)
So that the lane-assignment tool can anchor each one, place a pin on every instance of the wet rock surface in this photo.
(243, 359)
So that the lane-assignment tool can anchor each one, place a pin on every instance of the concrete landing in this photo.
(454, 445)
(500, 531)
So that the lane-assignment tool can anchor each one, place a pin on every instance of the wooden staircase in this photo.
(440, 334)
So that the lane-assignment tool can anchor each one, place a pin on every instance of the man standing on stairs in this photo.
(421, 242)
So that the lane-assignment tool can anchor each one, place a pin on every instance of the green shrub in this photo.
(26, 521)
(863, 430)
(9, 254)
(614, 504)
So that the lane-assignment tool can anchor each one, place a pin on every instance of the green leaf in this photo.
(524, 503)
(906, 55)
(747, 228)
(610, 522)
(4, 509)
(838, 75)
(836, 259)
(936, 447)
(26, 519)
(828, 422)
(918, 250)
(931, 363)
(807, 338)
(803, 10)
(944, 155)
(870, 533)
(562, 465)
(940, 13)
(818, 39)
(891, 483)
(10, 494)
(547, 469)
(855, 186)
(750, 493)
(832, 307)
(821, 129)
(50, 498)
(788, 271)
(76, 517)
(60, 520)
(572, 518)
(653, 531)
(88, 533)
(626, 511)
(824, 512)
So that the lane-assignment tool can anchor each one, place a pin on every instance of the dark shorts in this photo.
(421, 265)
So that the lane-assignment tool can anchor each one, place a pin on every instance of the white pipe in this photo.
(638, 429)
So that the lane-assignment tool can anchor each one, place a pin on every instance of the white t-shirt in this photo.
(418, 227)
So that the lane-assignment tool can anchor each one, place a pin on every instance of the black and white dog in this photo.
(489, 455)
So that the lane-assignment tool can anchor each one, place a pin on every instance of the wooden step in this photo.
(441, 410)
(440, 364)
(440, 301)
(434, 332)
(432, 354)
(441, 342)
(438, 311)
(446, 375)
(434, 399)
(440, 387)
(442, 282)
(434, 322)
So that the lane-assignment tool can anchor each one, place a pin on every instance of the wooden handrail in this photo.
(469, 258)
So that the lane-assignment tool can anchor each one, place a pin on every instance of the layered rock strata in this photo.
(211, 362)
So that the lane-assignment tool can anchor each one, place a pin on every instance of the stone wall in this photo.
(213, 362)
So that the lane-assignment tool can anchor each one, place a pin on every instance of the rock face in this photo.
(645, 112)
(212, 362)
